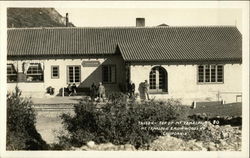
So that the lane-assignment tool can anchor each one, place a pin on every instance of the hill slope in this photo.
(34, 17)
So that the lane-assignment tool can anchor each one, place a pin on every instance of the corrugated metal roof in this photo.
(135, 44)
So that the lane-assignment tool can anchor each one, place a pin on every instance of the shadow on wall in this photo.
(84, 86)
(141, 91)
(96, 76)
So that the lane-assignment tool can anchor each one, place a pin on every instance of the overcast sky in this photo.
(153, 16)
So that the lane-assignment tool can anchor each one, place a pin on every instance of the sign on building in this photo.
(90, 63)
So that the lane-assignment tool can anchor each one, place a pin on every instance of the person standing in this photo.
(131, 89)
(69, 89)
(74, 89)
(101, 91)
(93, 91)
(146, 88)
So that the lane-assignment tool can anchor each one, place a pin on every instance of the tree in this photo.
(21, 119)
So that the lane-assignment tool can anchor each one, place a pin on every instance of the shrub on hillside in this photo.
(118, 122)
(21, 131)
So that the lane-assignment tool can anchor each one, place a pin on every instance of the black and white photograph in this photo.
(138, 77)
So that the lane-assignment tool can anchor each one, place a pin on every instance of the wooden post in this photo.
(194, 104)
(222, 101)
(63, 92)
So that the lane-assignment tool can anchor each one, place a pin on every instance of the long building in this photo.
(200, 63)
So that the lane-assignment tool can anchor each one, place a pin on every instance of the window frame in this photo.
(67, 70)
(58, 72)
(157, 90)
(210, 72)
(42, 73)
(114, 82)
(13, 74)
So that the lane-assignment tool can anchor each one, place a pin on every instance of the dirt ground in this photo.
(49, 125)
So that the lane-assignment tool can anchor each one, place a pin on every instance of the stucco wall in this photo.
(88, 75)
(182, 79)
(182, 83)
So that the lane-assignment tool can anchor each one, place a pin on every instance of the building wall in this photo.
(182, 83)
(182, 79)
(88, 75)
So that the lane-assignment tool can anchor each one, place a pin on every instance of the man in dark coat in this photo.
(131, 89)
(93, 90)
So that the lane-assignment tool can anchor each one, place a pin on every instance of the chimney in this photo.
(67, 20)
(140, 22)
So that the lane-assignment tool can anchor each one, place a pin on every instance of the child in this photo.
(101, 91)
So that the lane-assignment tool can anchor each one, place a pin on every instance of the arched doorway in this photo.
(158, 79)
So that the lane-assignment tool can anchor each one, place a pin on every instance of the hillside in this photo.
(35, 17)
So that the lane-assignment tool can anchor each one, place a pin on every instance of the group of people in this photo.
(71, 89)
(97, 92)
(145, 88)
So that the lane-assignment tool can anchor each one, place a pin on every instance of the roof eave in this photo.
(185, 61)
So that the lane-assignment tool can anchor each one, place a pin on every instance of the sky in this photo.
(101, 17)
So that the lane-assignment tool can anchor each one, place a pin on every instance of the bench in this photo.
(79, 91)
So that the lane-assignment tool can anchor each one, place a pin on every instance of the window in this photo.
(54, 72)
(34, 73)
(11, 73)
(219, 73)
(210, 73)
(158, 79)
(74, 74)
(108, 74)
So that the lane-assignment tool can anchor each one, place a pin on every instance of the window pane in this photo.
(74, 74)
(70, 72)
(158, 79)
(55, 71)
(76, 67)
(77, 79)
(34, 73)
(109, 73)
(213, 73)
(219, 73)
(105, 74)
(11, 73)
(77, 74)
(200, 73)
(152, 79)
(207, 73)
(161, 79)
